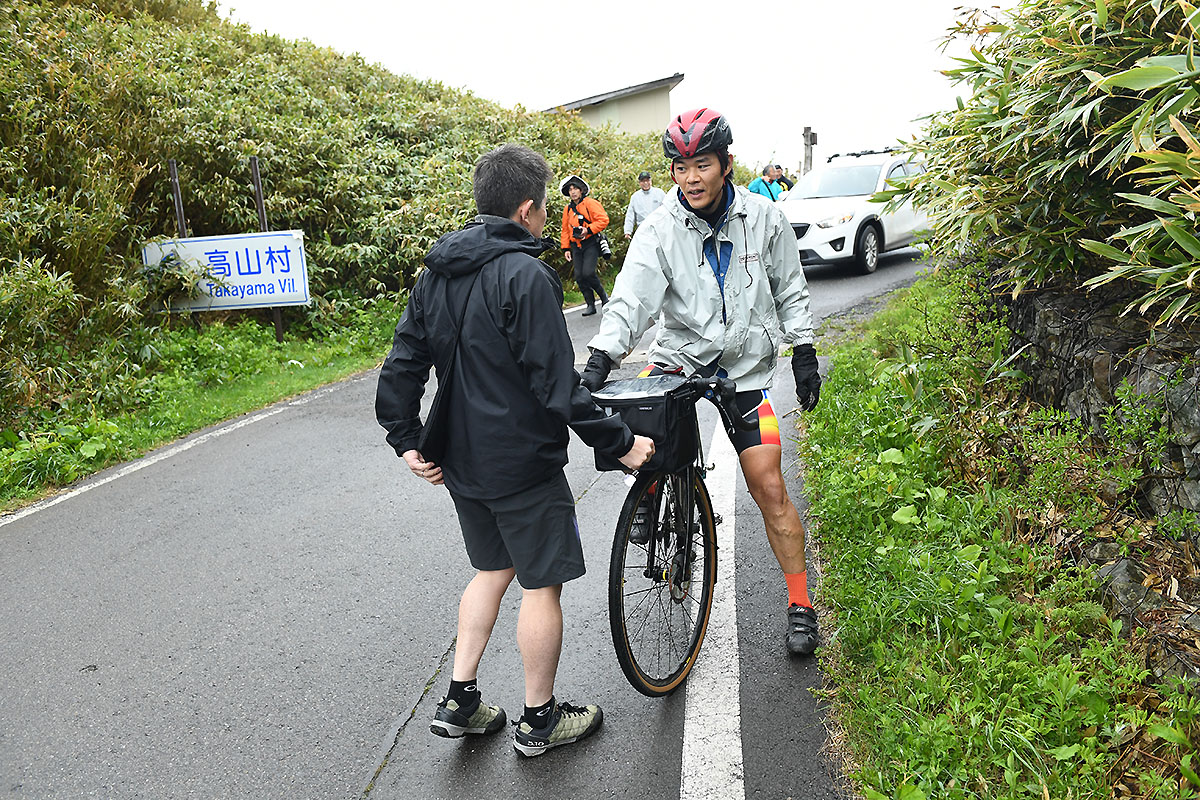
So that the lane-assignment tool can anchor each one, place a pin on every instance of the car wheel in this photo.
(866, 249)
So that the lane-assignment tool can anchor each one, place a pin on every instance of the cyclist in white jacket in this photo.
(718, 268)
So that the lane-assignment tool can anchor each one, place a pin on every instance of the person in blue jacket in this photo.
(765, 184)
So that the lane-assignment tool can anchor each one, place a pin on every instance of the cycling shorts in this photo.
(754, 404)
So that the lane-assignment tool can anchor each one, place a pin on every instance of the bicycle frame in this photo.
(683, 484)
(719, 391)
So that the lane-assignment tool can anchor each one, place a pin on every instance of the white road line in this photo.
(712, 719)
(162, 455)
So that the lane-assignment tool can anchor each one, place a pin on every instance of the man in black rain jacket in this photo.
(510, 396)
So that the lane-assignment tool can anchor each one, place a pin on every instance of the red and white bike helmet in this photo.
(701, 130)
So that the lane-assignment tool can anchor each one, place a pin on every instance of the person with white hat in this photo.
(583, 220)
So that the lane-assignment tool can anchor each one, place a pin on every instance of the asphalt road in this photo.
(266, 609)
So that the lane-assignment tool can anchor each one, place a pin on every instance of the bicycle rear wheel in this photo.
(660, 591)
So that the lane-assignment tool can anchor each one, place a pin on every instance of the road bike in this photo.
(664, 556)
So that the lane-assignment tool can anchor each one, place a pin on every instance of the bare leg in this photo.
(477, 612)
(761, 465)
(539, 636)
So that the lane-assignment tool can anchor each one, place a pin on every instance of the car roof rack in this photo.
(863, 153)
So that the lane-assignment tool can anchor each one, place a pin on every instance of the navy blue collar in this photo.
(716, 216)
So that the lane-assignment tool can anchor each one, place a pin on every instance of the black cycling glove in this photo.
(595, 373)
(808, 380)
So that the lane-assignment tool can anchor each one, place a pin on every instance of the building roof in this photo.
(628, 91)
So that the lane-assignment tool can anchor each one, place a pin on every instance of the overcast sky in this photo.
(859, 72)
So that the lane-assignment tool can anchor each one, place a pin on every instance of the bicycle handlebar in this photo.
(722, 392)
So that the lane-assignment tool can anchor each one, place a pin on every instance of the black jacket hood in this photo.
(487, 314)
(484, 238)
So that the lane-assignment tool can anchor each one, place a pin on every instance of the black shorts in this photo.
(534, 530)
(754, 404)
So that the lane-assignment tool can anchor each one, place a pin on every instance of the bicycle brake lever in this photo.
(727, 392)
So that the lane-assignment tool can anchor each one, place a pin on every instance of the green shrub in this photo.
(35, 303)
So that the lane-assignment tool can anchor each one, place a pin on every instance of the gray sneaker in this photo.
(450, 722)
(568, 724)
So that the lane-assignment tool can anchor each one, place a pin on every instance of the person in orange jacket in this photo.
(583, 219)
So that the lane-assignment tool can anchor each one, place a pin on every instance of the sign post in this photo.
(180, 220)
(276, 315)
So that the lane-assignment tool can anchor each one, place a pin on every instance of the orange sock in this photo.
(797, 585)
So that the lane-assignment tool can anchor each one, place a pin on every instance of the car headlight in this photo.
(833, 221)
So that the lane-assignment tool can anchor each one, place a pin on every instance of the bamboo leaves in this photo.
(1077, 156)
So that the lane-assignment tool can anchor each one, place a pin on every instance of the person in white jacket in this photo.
(719, 269)
(642, 203)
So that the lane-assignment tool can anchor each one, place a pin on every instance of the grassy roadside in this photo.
(190, 378)
(970, 659)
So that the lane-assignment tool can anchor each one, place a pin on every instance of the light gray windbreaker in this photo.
(666, 277)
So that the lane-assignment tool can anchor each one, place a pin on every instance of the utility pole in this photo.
(810, 138)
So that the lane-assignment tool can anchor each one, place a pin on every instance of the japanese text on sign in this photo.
(251, 270)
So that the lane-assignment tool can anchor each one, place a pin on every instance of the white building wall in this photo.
(648, 112)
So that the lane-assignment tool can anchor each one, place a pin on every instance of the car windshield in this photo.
(838, 182)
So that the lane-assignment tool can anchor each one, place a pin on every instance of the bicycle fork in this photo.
(676, 536)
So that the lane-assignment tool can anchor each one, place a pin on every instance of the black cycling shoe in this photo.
(639, 532)
(802, 636)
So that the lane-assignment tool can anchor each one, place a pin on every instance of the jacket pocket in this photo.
(763, 341)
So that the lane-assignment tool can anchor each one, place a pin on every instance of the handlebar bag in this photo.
(656, 407)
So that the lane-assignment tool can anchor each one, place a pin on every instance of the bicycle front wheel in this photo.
(661, 578)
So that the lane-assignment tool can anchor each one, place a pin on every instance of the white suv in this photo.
(834, 220)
